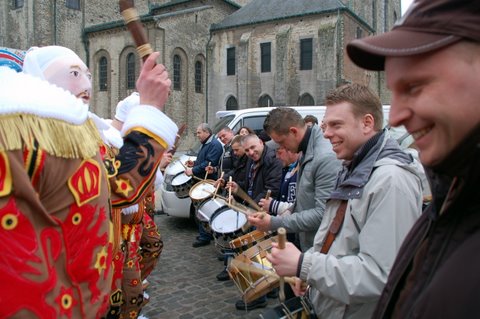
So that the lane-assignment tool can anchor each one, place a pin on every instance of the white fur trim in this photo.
(125, 105)
(23, 93)
(110, 135)
(153, 120)
(130, 210)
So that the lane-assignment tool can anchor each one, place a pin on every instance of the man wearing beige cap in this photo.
(432, 64)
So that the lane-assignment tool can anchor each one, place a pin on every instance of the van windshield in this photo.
(223, 121)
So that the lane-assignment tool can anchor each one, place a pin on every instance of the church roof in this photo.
(175, 2)
(259, 11)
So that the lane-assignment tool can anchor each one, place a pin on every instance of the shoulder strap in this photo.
(335, 227)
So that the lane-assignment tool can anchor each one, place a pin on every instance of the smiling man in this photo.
(317, 172)
(432, 64)
(376, 200)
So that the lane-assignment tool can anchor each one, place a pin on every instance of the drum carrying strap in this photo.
(335, 227)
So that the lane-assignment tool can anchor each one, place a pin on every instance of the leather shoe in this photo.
(257, 303)
(223, 275)
(200, 243)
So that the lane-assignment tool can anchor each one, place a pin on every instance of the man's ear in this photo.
(368, 123)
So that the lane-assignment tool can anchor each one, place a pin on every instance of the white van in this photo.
(252, 118)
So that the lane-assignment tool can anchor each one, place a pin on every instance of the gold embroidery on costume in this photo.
(101, 262)
(123, 186)
(5, 175)
(85, 183)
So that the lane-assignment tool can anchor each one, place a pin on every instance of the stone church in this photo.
(220, 54)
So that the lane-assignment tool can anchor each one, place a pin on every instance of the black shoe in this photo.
(223, 276)
(257, 303)
(273, 294)
(200, 243)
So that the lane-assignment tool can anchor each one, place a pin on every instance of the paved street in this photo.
(184, 284)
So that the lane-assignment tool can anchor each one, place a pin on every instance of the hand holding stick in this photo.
(206, 174)
(282, 238)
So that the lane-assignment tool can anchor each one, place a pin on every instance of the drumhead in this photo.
(228, 221)
(201, 190)
(180, 179)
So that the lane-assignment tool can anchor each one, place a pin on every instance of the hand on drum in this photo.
(285, 261)
(189, 171)
(265, 203)
(260, 220)
(210, 169)
(233, 185)
(189, 163)
(219, 182)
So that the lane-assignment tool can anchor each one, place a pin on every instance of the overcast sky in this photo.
(405, 4)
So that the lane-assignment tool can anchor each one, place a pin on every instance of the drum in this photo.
(228, 224)
(181, 185)
(295, 308)
(253, 284)
(208, 208)
(202, 191)
(242, 243)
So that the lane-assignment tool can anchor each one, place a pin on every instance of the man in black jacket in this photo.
(432, 64)
(263, 173)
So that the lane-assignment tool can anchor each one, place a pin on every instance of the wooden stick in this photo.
(218, 185)
(240, 193)
(206, 174)
(230, 190)
(282, 239)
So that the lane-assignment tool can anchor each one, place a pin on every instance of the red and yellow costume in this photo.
(56, 235)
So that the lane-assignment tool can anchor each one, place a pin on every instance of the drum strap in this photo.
(335, 227)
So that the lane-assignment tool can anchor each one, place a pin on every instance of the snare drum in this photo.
(297, 307)
(201, 191)
(242, 243)
(181, 184)
(252, 284)
(228, 224)
(208, 208)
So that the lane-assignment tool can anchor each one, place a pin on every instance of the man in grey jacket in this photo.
(377, 199)
(316, 176)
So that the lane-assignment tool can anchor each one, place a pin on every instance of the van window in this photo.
(254, 122)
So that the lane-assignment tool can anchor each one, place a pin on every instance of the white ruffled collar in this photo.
(24, 94)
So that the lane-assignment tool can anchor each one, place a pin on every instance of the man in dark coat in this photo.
(432, 64)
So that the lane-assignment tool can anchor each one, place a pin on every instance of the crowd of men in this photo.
(75, 192)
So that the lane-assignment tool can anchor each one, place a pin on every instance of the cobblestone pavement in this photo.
(184, 285)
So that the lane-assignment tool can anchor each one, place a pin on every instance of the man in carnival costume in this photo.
(54, 193)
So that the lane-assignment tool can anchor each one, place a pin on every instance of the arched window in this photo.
(177, 65)
(265, 100)
(232, 103)
(306, 99)
(103, 74)
(130, 71)
(198, 77)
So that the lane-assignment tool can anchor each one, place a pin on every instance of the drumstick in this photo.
(269, 192)
(282, 238)
(230, 190)
(218, 185)
(206, 174)
(240, 193)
